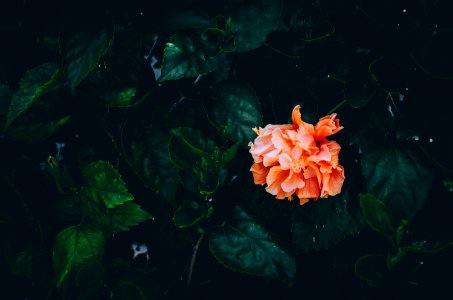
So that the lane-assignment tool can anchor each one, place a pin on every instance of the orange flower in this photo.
(298, 159)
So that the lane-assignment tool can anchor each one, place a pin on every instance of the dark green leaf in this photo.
(75, 247)
(320, 224)
(20, 260)
(36, 132)
(82, 52)
(253, 21)
(372, 269)
(188, 19)
(244, 245)
(120, 97)
(395, 175)
(377, 215)
(146, 149)
(103, 184)
(185, 56)
(235, 109)
(35, 83)
(229, 154)
(122, 217)
(190, 212)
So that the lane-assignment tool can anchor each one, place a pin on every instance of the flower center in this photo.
(296, 165)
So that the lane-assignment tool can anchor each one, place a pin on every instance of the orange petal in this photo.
(296, 117)
(259, 173)
(292, 182)
(332, 182)
(327, 126)
(285, 161)
(281, 141)
(310, 190)
(271, 157)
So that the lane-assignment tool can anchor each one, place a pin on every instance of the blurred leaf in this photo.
(36, 132)
(191, 212)
(191, 19)
(35, 83)
(320, 224)
(244, 245)
(76, 247)
(428, 246)
(372, 269)
(82, 52)
(20, 260)
(145, 147)
(122, 217)
(253, 21)
(395, 175)
(185, 56)
(377, 215)
(235, 109)
(103, 184)
(119, 97)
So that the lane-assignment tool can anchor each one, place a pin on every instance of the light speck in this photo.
(404, 10)
(431, 140)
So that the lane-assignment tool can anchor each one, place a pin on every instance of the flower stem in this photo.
(337, 107)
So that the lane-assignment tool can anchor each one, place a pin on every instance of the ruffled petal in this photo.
(285, 161)
(332, 182)
(259, 173)
(327, 126)
(292, 182)
(310, 190)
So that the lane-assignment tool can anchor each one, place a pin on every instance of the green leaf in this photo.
(20, 260)
(235, 109)
(229, 154)
(145, 147)
(82, 52)
(186, 56)
(76, 247)
(377, 215)
(191, 212)
(320, 224)
(372, 269)
(244, 245)
(253, 21)
(103, 184)
(395, 175)
(122, 217)
(35, 83)
(119, 97)
(195, 141)
(36, 132)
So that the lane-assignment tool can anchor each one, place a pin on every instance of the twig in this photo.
(193, 258)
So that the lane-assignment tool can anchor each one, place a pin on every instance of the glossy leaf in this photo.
(190, 212)
(103, 184)
(82, 52)
(35, 83)
(377, 215)
(235, 109)
(320, 224)
(253, 21)
(124, 216)
(395, 175)
(185, 56)
(75, 247)
(245, 245)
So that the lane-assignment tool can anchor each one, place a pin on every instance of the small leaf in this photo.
(120, 97)
(229, 154)
(103, 184)
(190, 212)
(185, 56)
(372, 269)
(35, 83)
(377, 215)
(244, 245)
(235, 109)
(122, 217)
(36, 132)
(395, 175)
(320, 224)
(82, 52)
(76, 247)
(252, 21)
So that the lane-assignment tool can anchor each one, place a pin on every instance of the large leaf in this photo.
(191, 212)
(122, 217)
(395, 175)
(377, 215)
(186, 56)
(253, 21)
(103, 184)
(235, 109)
(36, 131)
(35, 83)
(145, 146)
(82, 52)
(76, 247)
(245, 245)
(321, 224)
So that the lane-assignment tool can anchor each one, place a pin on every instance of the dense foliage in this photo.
(125, 167)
